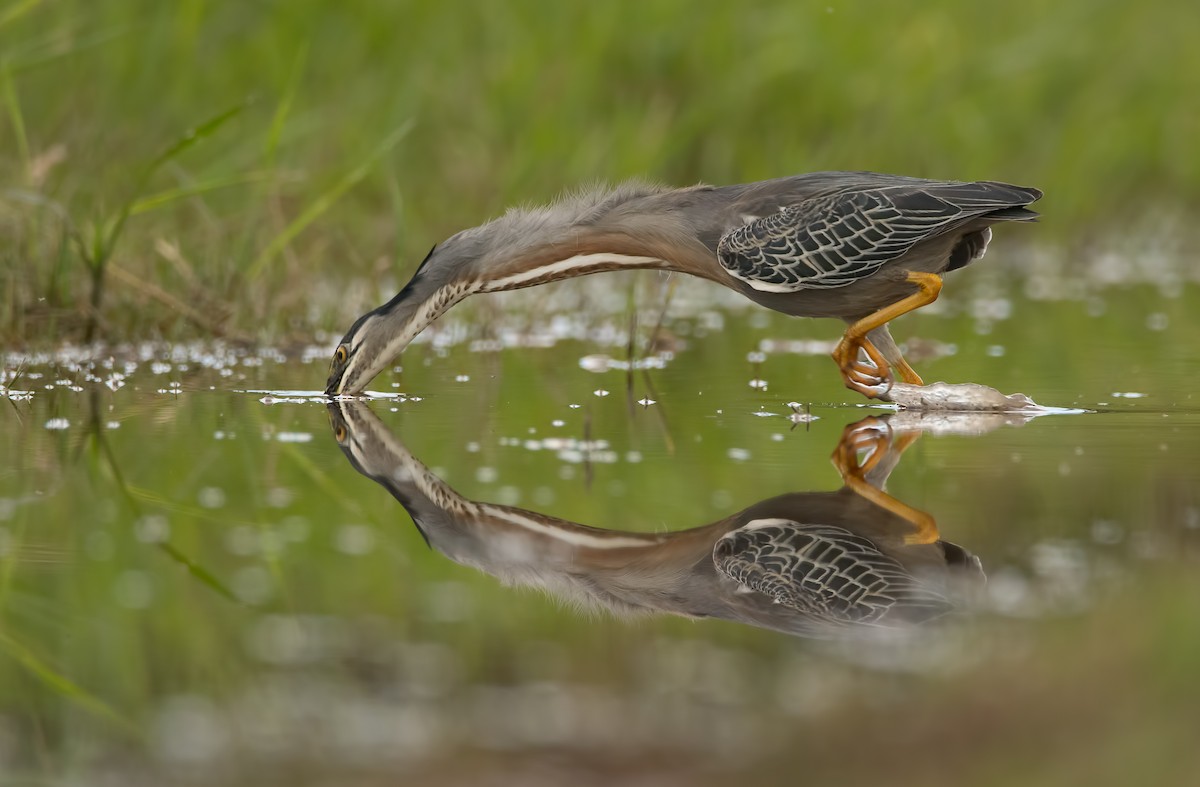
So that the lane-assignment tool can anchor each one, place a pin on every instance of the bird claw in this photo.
(863, 445)
(871, 377)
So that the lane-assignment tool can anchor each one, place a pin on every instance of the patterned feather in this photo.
(826, 572)
(836, 239)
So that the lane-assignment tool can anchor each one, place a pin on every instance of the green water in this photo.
(196, 586)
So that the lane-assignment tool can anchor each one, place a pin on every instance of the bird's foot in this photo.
(871, 376)
(862, 446)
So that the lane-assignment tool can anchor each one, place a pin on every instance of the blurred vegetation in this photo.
(375, 129)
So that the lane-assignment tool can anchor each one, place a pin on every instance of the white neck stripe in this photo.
(571, 263)
(567, 535)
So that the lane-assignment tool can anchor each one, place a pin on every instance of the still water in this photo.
(558, 553)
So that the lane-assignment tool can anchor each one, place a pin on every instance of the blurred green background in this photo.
(332, 144)
(373, 130)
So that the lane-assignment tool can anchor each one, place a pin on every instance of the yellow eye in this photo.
(340, 355)
(339, 433)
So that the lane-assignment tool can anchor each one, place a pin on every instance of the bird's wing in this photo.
(826, 572)
(835, 239)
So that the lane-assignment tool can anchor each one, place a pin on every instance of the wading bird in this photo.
(859, 246)
(814, 564)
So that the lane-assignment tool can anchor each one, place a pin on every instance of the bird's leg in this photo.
(881, 337)
(858, 375)
(874, 436)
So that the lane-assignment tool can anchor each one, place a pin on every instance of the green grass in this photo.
(263, 230)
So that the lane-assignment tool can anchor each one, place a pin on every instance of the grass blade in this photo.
(61, 684)
(15, 116)
(190, 139)
(153, 201)
(285, 104)
(323, 202)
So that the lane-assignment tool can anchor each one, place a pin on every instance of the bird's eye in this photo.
(340, 355)
(339, 433)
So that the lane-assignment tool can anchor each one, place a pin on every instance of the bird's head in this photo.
(363, 352)
(380, 335)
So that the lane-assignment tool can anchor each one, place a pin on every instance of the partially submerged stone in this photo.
(960, 397)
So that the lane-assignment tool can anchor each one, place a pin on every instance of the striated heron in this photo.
(859, 246)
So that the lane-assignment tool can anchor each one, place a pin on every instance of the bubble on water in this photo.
(574, 406)
(188, 730)
(646, 402)
(1106, 531)
(55, 424)
(738, 454)
(252, 584)
(558, 422)
(756, 356)
(600, 392)
(486, 475)
(508, 495)
(721, 499)
(472, 447)
(1157, 321)
(1191, 518)
(594, 363)
(211, 497)
(758, 384)
(355, 539)
(241, 540)
(995, 351)
(633, 457)
(460, 378)
(448, 602)
(1009, 593)
(152, 529)
(1128, 394)
(294, 437)
(280, 497)
(110, 425)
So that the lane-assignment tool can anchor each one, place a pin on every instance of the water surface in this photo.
(195, 584)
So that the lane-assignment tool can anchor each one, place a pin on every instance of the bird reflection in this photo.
(806, 563)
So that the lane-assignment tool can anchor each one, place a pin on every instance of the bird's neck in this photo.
(581, 254)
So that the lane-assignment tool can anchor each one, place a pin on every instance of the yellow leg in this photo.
(865, 378)
(907, 373)
(879, 443)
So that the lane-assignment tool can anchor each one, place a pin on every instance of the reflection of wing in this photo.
(824, 571)
(835, 240)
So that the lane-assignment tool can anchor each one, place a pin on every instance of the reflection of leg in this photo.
(874, 436)
(859, 376)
